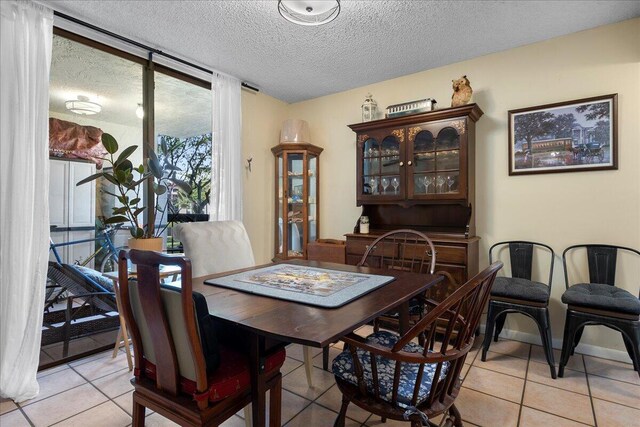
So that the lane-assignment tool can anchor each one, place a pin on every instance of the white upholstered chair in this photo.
(218, 246)
(215, 246)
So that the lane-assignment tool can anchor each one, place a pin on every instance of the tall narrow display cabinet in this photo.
(418, 171)
(297, 198)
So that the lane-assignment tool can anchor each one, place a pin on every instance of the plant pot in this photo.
(152, 244)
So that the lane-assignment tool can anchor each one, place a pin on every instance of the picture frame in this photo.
(570, 136)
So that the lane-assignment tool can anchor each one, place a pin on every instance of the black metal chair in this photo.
(520, 294)
(600, 302)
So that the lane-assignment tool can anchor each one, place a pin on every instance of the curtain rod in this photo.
(143, 46)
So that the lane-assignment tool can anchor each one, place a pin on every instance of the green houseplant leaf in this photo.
(109, 143)
(128, 184)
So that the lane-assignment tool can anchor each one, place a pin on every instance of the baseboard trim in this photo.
(588, 349)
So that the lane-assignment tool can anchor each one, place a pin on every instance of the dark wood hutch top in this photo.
(446, 214)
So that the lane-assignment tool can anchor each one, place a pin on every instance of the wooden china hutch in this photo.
(297, 198)
(418, 171)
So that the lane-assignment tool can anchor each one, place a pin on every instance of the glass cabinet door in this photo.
(280, 203)
(436, 162)
(448, 161)
(381, 167)
(295, 210)
(312, 198)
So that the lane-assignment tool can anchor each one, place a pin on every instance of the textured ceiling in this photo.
(369, 42)
(182, 109)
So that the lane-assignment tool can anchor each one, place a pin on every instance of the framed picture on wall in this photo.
(578, 135)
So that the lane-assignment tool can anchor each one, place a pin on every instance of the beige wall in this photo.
(261, 119)
(557, 209)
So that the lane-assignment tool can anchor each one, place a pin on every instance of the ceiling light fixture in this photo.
(303, 12)
(140, 111)
(83, 106)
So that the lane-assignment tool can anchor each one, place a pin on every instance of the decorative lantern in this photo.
(369, 109)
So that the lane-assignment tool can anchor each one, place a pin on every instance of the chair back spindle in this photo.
(404, 250)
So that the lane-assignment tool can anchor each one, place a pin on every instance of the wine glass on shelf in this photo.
(450, 181)
(374, 185)
(427, 180)
(385, 184)
(395, 183)
(439, 184)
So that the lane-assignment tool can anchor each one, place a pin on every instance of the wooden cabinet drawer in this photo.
(451, 254)
(444, 254)
(358, 247)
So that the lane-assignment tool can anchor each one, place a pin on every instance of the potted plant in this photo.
(129, 182)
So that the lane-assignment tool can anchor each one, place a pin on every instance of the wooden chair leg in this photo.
(116, 346)
(275, 403)
(453, 411)
(325, 358)
(138, 413)
(308, 364)
(343, 413)
(247, 415)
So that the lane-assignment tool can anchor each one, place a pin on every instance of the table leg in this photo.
(404, 318)
(258, 383)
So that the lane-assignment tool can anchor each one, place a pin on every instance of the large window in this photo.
(183, 139)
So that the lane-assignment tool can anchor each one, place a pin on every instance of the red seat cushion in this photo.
(232, 376)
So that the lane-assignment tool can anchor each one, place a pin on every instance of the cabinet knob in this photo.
(401, 163)
(409, 163)
(432, 254)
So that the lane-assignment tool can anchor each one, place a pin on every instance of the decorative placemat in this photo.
(308, 285)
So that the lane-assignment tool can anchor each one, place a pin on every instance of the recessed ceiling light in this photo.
(303, 12)
(83, 106)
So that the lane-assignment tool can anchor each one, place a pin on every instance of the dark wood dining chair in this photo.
(405, 250)
(181, 369)
(520, 294)
(394, 377)
(600, 302)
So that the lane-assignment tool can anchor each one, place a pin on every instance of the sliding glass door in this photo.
(96, 89)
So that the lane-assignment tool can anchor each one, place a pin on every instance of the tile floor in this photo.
(512, 388)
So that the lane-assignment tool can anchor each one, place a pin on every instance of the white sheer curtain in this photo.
(25, 52)
(226, 167)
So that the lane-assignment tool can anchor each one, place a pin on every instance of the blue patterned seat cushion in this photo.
(523, 289)
(96, 276)
(344, 368)
(603, 297)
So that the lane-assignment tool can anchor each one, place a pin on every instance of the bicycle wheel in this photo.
(109, 263)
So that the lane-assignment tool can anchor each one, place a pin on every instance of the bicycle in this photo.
(107, 249)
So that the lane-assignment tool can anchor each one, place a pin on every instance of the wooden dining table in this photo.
(270, 322)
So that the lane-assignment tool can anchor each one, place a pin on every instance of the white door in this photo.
(82, 198)
(58, 193)
(81, 251)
